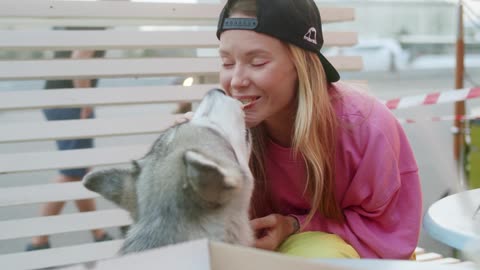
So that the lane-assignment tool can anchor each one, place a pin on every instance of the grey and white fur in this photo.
(193, 183)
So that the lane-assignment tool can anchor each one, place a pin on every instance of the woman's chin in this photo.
(251, 123)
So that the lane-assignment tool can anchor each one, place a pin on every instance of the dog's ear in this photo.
(116, 185)
(207, 178)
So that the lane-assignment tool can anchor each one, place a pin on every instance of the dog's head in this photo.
(197, 165)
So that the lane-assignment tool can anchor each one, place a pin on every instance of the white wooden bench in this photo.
(189, 26)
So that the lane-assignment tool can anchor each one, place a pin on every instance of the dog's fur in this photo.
(193, 183)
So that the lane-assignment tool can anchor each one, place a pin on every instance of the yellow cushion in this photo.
(317, 245)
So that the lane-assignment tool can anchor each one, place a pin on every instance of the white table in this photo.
(369, 264)
(452, 220)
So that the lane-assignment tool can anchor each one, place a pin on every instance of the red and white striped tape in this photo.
(438, 119)
(433, 98)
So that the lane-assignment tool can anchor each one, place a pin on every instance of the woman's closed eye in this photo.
(259, 62)
(227, 62)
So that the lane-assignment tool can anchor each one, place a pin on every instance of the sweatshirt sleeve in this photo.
(382, 205)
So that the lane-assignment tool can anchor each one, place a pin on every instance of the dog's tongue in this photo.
(246, 102)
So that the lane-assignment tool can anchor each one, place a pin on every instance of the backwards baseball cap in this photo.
(293, 21)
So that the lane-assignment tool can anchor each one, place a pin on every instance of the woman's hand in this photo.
(272, 230)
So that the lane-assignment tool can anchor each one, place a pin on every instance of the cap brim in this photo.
(330, 71)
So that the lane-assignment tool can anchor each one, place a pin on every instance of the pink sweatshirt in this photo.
(377, 184)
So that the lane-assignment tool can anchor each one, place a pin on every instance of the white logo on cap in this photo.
(311, 35)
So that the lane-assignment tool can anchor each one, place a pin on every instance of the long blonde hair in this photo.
(314, 132)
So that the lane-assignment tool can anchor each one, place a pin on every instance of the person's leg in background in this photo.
(68, 175)
(54, 208)
(86, 205)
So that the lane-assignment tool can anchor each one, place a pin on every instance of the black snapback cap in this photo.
(294, 21)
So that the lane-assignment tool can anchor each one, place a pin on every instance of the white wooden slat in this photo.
(41, 259)
(336, 14)
(346, 63)
(125, 10)
(126, 39)
(48, 225)
(340, 38)
(109, 68)
(107, 22)
(23, 195)
(26, 162)
(62, 98)
(61, 40)
(85, 128)
(106, 68)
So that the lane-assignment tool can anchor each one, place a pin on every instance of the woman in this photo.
(335, 174)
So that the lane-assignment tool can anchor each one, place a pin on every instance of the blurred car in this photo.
(377, 54)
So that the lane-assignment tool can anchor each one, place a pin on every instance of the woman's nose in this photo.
(239, 80)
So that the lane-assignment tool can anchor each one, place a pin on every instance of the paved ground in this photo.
(431, 141)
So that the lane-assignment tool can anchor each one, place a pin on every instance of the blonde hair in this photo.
(314, 133)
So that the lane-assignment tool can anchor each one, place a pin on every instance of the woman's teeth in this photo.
(246, 101)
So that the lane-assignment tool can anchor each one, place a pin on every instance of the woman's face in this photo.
(258, 71)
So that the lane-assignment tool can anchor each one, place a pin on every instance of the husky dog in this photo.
(194, 182)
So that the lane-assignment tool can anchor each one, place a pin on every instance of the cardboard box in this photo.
(207, 255)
